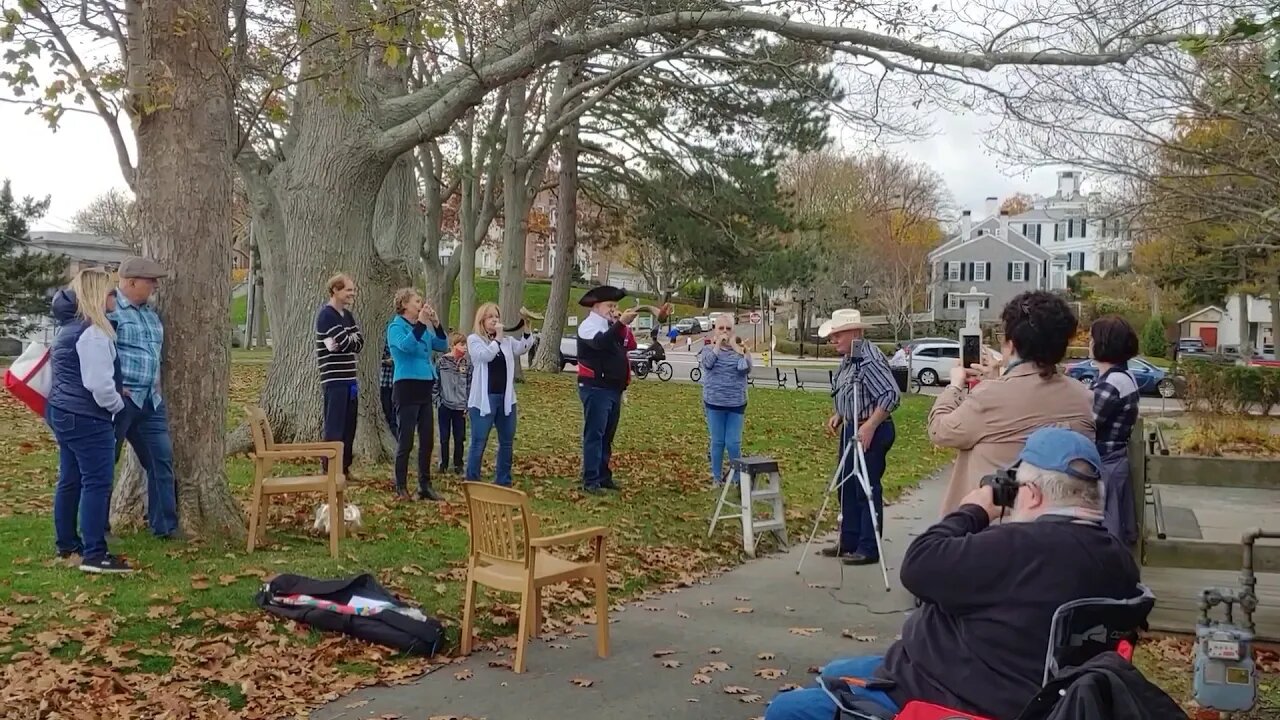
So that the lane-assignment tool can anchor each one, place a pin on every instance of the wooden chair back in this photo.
(261, 429)
(501, 524)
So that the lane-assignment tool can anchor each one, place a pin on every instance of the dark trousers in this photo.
(389, 410)
(601, 409)
(414, 418)
(857, 534)
(453, 423)
(341, 406)
(146, 429)
(81, 499)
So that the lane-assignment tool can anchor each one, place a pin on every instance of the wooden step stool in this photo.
(763, 485)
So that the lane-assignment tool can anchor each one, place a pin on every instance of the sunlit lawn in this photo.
(189, 598)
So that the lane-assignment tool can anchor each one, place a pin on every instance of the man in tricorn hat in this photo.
(603, 372)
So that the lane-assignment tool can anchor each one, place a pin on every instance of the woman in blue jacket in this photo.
(81, 410)
(412, 334)
(725, 363)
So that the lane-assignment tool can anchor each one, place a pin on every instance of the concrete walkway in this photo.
(799, 620)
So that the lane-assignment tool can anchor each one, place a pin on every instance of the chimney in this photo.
(1068, 184)
(992, 204)
(966, 224)
(1004, 225)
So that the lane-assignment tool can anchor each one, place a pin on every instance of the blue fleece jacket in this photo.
(411, 345)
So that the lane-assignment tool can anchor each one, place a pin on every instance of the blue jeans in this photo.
(480, 427)
(725, 430)
(813, 703)
(601, 409)
(147, 430)
(86, 464)
(856, 531)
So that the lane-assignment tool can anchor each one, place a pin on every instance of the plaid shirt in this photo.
(865, 365)
(1115, 409)
(386, 379)
(139, 339)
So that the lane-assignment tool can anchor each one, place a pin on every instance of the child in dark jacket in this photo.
(455, 384)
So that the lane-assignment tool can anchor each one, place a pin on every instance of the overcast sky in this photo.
(78, 163)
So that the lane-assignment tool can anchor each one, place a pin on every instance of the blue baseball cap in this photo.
(1054, 448)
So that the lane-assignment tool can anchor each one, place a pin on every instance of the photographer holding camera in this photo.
(988, 592)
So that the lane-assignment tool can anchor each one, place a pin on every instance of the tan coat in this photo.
(990, 424)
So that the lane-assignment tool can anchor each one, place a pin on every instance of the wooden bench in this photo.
(816, 378)
(766, 376)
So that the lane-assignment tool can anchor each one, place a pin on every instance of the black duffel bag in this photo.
(388, 626)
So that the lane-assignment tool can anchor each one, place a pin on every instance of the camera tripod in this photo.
(836, 486)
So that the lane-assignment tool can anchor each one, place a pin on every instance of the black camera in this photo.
(1004, 486)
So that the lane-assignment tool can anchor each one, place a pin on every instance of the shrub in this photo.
(1218, 389)
(1153, 342)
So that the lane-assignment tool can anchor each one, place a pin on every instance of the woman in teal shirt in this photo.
(413, 384)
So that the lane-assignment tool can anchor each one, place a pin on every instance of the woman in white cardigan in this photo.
(492, 401)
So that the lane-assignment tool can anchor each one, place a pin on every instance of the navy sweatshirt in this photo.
(979, 641)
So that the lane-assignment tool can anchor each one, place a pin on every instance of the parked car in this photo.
(569, 351)
(1191, 344)
(704, 323)
(688, 326)
(931, 362)
(1151, 379)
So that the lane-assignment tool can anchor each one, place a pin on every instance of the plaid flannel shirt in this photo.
(1115, 409)
(868, 366)
(387, 378)
(139, 340)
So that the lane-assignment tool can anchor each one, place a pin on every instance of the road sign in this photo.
(755, 317)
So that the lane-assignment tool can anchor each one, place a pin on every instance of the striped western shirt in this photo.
(867, 366)
(139, 340)
(338, 341)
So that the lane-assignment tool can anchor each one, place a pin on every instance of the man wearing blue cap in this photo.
(988, 592)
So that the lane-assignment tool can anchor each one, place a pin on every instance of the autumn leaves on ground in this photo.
(183, 638)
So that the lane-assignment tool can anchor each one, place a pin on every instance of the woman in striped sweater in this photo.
(725, 363)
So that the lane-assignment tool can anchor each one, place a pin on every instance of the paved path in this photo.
(799, 619)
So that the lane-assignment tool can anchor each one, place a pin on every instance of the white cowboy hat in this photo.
(842, 319)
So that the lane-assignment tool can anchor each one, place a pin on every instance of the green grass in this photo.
(536, 294)
(189, 613)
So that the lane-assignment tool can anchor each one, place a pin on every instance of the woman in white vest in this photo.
(492, 400)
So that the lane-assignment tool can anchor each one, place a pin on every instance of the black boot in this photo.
(426, 492)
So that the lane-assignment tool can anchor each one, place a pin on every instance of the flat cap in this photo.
(142, 268)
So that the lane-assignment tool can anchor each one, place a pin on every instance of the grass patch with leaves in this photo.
(182, 635)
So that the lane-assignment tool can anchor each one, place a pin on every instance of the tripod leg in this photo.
(864, 479)
(837, 481)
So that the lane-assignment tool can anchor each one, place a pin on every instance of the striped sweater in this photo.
(338, 341)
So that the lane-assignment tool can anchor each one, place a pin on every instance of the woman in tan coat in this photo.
(990, 424)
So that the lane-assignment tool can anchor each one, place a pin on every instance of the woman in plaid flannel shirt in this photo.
(1115, 411)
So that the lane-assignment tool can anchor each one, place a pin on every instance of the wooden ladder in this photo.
(763, 485)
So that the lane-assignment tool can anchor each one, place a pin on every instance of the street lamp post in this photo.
(806, 302)
(849, 295)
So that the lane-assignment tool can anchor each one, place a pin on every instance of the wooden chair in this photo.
(508, 554)
(266, 453)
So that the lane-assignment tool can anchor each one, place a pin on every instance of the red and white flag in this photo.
(30, 377)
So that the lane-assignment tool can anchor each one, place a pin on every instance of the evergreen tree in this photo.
(28, 278)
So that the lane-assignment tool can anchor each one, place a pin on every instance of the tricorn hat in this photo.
(602, 293)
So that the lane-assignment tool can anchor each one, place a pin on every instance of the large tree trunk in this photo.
(515, 203)
(184, 136)
(548, 359)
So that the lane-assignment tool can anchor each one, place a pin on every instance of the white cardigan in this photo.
(483, 350)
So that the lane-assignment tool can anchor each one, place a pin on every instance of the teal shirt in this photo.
(411, 352)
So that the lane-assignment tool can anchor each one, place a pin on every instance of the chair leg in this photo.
(336, 521)
(602, 612)
(255, 508)
(468, 614)
(526, 617)
(264, 511)
(342, 503)
(535, 627)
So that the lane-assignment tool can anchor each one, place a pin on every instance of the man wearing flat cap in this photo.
(144, 422)
(603, 372)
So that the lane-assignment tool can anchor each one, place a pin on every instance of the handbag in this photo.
(30, 377)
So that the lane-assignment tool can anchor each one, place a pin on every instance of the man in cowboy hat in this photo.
(870, 424)
(603, 372)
